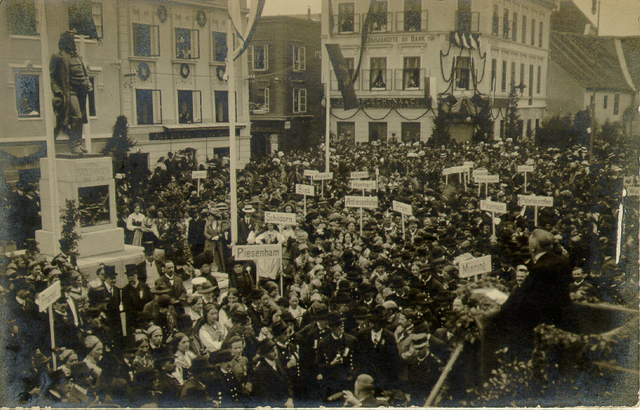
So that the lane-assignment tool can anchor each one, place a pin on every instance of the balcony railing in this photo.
(467, 21)
(410, 79)
(408, 21)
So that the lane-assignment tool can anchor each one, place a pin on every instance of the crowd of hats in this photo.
(352, 277)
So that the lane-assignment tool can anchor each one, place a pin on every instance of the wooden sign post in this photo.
(535, 201)
(44, 300)
(198, 175)
(304, 190)
(525, 169)
(477, 173)
(370, 202)
(322, 176)
(258, 252)
(493, 207)
(486, 179)
(404, 209)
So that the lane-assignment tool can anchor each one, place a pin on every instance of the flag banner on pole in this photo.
(81, 18)
(365, 34)
(345, 85)
(255, 13)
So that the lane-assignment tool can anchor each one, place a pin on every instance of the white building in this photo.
(419, 52)
(161, 64)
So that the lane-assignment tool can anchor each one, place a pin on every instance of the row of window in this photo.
(505, 74)
(507, 27)
(299, 99)
(149, 106)
(410, 131)
(24, 19)
(605, 103)
(146, 42)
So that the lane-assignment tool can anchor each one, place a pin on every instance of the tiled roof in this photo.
(593, 61)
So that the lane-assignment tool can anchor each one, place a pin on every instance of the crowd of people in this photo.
(361, 312)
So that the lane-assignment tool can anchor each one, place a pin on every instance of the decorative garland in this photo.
(162, 14)
(184, 70)
(201, 18)
(144, 71)
(385, 116)
(29, 159)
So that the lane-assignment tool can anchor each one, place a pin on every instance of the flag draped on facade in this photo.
(81, 18)
(345, 83)
(245, 35)
(365, 33)
(465, 39)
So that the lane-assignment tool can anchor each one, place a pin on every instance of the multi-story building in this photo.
(161, 64)
(421, 53)
(285, 86)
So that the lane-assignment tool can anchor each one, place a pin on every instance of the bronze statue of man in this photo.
(70, 86)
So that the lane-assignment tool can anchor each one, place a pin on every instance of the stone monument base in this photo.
(130, 254)
(91, 244)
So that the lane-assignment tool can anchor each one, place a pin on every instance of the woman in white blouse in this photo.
(134, 224)
(295, 309)
(209, 329)
(183, 355)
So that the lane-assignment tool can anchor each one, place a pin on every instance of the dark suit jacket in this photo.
(543, 294)
(134, 299)
(178, 290)
(271, 387)
(381, 361)
(244, 229)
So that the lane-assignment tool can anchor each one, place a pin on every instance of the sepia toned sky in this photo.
(286, 7)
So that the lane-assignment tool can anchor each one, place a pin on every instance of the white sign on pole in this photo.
(479, 172)
(359, 184)
(302, 189)
(525, 168)
(361, 201)
(359, 174)
(486, 179)
(280, 218)
(404, 209)
(633, 191)
(253, 252)
(309, 172)
(490, 206)
(468, 164)
(473, 267)
(533, 200)
(198, 174)
(48, 296)
(322, 176)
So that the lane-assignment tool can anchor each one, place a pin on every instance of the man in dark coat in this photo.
(168, 277)
(272, 386)
(70, 85)
(377, 353)
(135, 295)
(245, 224)
(334, 357)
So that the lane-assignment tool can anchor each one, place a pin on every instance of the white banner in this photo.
(358, 184)
(525, 168)
(322, 176)
(486, 179)
(302, 189)
(474, 267)
(198, 174)
(253, 252)
(403, 208)
(280, 218)
(533, 200)
(48, 296)
(359, 174)
(490, 206)
(361, 201)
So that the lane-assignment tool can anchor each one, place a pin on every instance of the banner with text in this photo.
(403, 208)
(253, 252)
(490, 206)
(361, 201)
(534, 200)
(302, 189)
(473, 267)
(358, 184)
(280, 218)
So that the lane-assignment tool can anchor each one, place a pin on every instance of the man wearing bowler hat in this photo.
(272, 386)
(151, 308)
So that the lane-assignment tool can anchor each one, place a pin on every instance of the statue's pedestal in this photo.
(89, 181)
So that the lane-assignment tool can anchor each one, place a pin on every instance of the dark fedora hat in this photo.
(279, 327)
(361, 312)
(334, 319)
(200, 364)
(110, 271)
(240, 316)
(265, 346)
(221, 356)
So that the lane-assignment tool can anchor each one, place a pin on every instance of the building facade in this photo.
(418, 54)
(161, 64)
(285, 86)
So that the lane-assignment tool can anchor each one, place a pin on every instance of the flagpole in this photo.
(232, 130)
(327, 127)
(48, 127)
